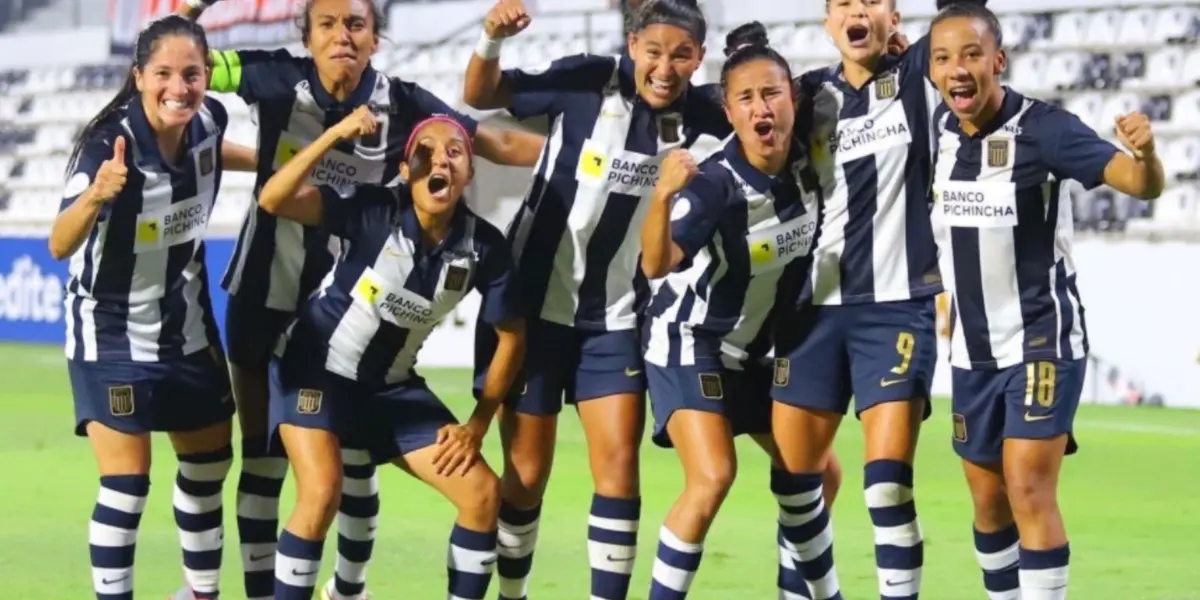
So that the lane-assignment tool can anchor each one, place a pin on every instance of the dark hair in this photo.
(971, 9)
(684, 14)
(746, 43)
(143, 49)
(304, 19)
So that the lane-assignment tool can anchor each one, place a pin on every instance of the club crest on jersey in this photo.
(960, 428)
(308, 402)
(456, 278)
(783, 372)
(885, 88)
(120, 400)
(711, 387)
(668, 128)
(206, 162)
(997, 153)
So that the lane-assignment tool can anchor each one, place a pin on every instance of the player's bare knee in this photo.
(481, 505)
(708, 486)
(616, 472)
(525, 478)
(318, 496)
(1031, 495)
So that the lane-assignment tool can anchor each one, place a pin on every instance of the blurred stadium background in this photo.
(1130, 495)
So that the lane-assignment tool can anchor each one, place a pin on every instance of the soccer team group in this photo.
(751, 254)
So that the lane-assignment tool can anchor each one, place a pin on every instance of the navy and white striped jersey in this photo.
(279, 261)
(742, 232)
(138, 288)
(389, 289)
(871, 147)
(576, 237)
(1003, 224)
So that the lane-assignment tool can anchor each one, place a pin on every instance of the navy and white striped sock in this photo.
(199, 516)
(612, 545)
(469, 563)
(675, 566)
(515, 544)
(297, 565)
(899, 546)
(806, 568)
(358, 516)
(999, 557)
(1044, 573)
(259, 487)
(112, 534)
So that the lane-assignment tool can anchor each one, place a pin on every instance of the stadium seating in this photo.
(1097, 64)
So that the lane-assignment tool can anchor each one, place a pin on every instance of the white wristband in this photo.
(488, 47)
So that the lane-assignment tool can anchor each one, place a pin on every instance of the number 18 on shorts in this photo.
(1035, 400)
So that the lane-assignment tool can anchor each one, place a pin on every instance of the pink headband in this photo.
(412, 137)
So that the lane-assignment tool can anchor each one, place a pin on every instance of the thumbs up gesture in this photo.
(110, 178)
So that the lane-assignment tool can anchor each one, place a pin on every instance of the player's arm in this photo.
(509, 147)
(96, 180)
(1073, 150)
(192, 9)
(501, 308)
(287, 195)
(1141, 174)
(236, 157)
(683, 214)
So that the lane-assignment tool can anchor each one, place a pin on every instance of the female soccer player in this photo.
(864, 326)
(411, 253)
(278, 263)
(1019, 345)
(718, 248)
(143, 351)
(576, 239)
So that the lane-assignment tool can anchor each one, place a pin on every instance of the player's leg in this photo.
(811, 392)
(193, 403)
(107, 414)
(978, 411)
(405, 421)
(609, 394)
(1042, 401)
(305, 420)
(252, 331)
(528, 432)
(689, 413)
(357, 518)
(893, 349)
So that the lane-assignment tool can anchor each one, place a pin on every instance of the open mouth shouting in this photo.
(962, 95)
(661, 88)
(765, 129)
(439, 186)
(858, 35)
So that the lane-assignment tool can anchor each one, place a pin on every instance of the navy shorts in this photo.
(744, 397)
(252, 330)
(388, 421)
(1036, 400)
(565, 364)
(876, 353)
(184, 394)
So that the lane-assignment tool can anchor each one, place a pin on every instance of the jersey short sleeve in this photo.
(547, 90)
(219, 113)
(95, 150)
(422, 104)
(697, 210)
(348, 212)
(1070, 148)
(496, 281)
(255, 75)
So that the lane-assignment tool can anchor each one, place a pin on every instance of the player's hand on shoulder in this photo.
(1135, 134)
(506, 19)
(111, 176)
(458, 448)
(361, 122)
(678, 170)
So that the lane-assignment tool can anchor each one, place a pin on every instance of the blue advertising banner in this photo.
(32, 288)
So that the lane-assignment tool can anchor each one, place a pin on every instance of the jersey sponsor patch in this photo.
(394, 304)
(976, 204)
(620, 172)
(864, 136)
(171, 225)
(775, 246)
(336, 168)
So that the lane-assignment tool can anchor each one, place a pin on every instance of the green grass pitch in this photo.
(1131, 499)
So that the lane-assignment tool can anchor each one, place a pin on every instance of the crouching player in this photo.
(344, 369)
